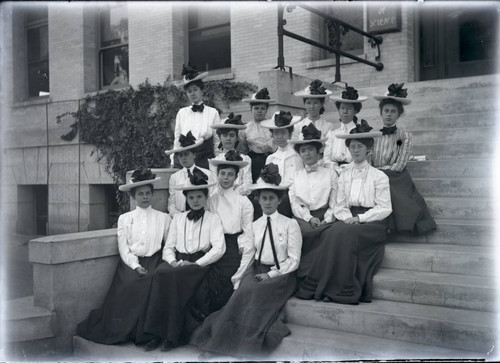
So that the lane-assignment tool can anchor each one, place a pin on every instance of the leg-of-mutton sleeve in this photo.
(332, 201)
(172, 196)
(243, 144)
(299, 210)
(246, 222)
(382, 207)
(124, 233)
(168, 254)
(342, 210)
(217, 241)
(405, 146)
(291, 263)
(247, 258)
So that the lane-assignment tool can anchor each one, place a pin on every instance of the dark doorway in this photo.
(32, 209)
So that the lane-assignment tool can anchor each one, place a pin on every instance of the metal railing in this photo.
(337, 24)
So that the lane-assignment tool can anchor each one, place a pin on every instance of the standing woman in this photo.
(348, 105)
(351, 250)
(250, 324)
(140, 235)
(256, 140)
(197, 118)
(391, 154)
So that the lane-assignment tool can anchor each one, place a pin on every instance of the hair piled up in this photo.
(390, 101)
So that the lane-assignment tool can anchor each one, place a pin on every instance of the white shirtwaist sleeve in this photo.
(294, 247)
(246, 222)
(124, 232)
(217, 242)
(332, 200)
(298, 210)
(246, 259)
(382, 207)
(341, 210)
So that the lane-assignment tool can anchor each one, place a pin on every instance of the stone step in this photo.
(463, 151)
(27, 322)
(480, 119)
(453, 168)
(444, 258)
(454, 187)
(471, 208)
(456, 135)
(456, 232)
(423, 324)
(436, 288)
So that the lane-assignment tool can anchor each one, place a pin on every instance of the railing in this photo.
(337, 24)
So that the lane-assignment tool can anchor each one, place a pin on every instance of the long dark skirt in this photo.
(343, 266)
(174, 291)
(258, 163)
(121, 316)
(250, 324)
(409, 210)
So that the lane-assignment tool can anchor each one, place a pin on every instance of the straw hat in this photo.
(314, 90)
(270, 178)
(139, 177)
(350, 95)
(187, 142)
(261, 96)
(190, 75)
(197, 180)
(395, 92)
(232, 157)
(280, 120)
(361, 131)
(308, 135)
(231, 122)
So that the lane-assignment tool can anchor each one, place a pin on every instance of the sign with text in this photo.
(383, 18)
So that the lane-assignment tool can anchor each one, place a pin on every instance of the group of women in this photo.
(258, 212)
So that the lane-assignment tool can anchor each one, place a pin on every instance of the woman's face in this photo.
(143, 196)
(390, 115)
(228, 140)
(346, 112)
(308, 154)
(227, 178)
(313, 107)
(269, 202)
(358, 151)
(259, 112)
(194, 93)
(281, 137)
(196, 199)
(186, 158)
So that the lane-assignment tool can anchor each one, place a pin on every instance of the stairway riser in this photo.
(292, 350)
(455, 208)
(454, 136)
(484, 119)
(455, 151)
(451, 169)
(29, 329)
(454, 187)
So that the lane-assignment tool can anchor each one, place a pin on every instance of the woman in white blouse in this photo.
(195, 241)
(140, 234)
(353, 248)
(250, 324)
(348, 104)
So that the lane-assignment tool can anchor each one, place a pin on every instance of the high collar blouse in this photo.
(335, 148)
(288, 162)
(244, 178)
(255, 138)
(392, 152)
(187, 236)
(361, 185)
(140, 234)
(176, 199)
(321, 124)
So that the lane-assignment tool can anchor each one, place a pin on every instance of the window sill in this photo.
(331, 62)
(219, 77)
(33, 101)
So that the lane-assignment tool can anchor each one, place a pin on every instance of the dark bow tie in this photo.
(388, 130)
(194, 215)
(198, 108)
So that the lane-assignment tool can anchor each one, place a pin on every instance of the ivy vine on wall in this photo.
(132, 127)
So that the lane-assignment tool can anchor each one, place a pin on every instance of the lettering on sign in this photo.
(383, 18)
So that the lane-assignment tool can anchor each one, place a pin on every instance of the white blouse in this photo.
(313, 190)
(363, 186)
(186, 236)
(321, 124)
(288, 244)
(176, 199)
(235, 212)
(288, 162)
(335, 148)
(255, 138)
(198, 123)
(140, 233)
(244, 178)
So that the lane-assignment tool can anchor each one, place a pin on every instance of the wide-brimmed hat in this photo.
(350, 95)
(187, 142)
(231, 122)
(280, 120)
(314, 90)
(395, 92)
(270, 178)
(232, 158)
(197, 180)
(261, 96)
(142, 176)
(361, 131)
(308, 135)
(190, 74)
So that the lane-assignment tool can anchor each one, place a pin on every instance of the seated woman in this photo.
(351, 251)
(228, 134)
(336, 155)
(194, 243)
(250, 323)
(391, 154)
(140, 235)
(313, 191)
(236, 214)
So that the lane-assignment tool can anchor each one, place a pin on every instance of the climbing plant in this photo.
(132, 127)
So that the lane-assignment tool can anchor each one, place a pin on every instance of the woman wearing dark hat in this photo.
(348, 104)
(391, 154)
(250, 324)
(314, 97)
(351, 251)
(256, 140)
(313, 191)
(236, 214)
(140, 235)
(197, 118)
(195, 241)
(186, 154)
(228, 134)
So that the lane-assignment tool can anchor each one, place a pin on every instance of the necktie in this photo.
(194, 215)
(388, 130)
(268, 227)
(311, 168)
(198, 108)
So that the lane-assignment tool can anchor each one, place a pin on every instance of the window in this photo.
(209, 38)
(113, 54)
(37, 33)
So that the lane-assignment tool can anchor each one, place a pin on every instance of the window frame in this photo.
(30, 25)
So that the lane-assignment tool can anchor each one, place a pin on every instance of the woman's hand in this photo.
(352, 220)
(262, 277)
(314, 222)
(186, 263)
(323, 222)
(174, 263)
(241, 249)
(141, 271)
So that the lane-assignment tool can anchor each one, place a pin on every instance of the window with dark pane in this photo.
(478, 34)
(37, 40)
(113, 53)
(209, 38)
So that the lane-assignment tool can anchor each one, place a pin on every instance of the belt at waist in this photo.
(358, 210)
(191, 257)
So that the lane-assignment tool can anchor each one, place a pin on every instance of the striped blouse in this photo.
(392, 152)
